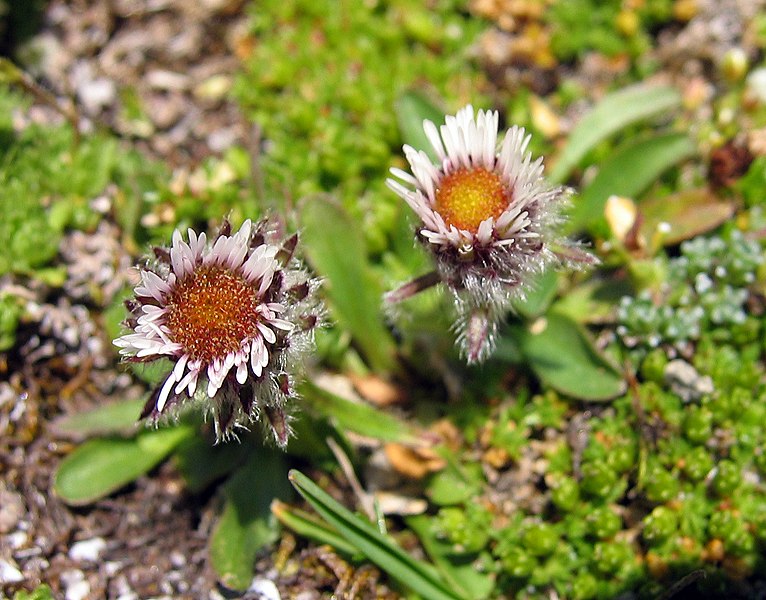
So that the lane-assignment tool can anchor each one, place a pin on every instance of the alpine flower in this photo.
(487, 216)
(234, 316)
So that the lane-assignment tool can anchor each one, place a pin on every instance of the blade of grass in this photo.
(308, 526)
(614, 112)
(421, 577)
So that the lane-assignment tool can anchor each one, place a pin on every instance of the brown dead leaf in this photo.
(683, 215)
(378, 391)
(414, 463)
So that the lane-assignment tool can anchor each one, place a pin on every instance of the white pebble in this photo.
(75, 585)
(87, 550)
(265, 589)
(9, 572)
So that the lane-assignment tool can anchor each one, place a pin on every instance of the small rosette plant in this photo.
(487, 216)
(235, 316)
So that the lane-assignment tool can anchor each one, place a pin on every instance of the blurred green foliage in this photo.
(42, 592)
(580, 26)
(322, 81)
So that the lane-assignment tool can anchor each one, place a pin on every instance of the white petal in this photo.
(178, 370)
(403, 175)
(242, 372)
(484, 233)
(165, 392)
(267, 333)
(259, 356)
(433, 136)
(281, 324)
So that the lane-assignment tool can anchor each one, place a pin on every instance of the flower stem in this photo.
(413, 287)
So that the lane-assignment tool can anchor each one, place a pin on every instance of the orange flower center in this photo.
(467, 197)
(211, 312)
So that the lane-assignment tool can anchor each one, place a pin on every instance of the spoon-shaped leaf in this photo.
(335, 248)
(110, 418)
(103, 465)
(356, 416)
(247, 524)
(628, 172)
(412, 108)
(614, 112)
(562, 356)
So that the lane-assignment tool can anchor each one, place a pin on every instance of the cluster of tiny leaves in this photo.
(607, 27)
(661, 488)
(706, 288)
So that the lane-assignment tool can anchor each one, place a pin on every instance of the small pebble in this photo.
(11, 510)
(686, 382)
(87, 550)
(17, 539)
(9, 572)
(265, 589)
(75, 585)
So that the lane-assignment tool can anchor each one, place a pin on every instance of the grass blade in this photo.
(421, 577)
(309, 526)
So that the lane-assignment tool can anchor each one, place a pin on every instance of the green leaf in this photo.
(42, 592)
(455, 484)
(614, 112)
(356, 416)
(412, 108)
(594, 301)
(420, 577)
(10, 73)
(562, 356)
(101, 466)
(201, 462)
(247, 524)
(154, 372)
(335, 248)
(628, 172)
(542, 291)
(459, 570)
(309, 526)
(115, 417)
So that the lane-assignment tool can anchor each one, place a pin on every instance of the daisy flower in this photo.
(486, 215)
(233, 315)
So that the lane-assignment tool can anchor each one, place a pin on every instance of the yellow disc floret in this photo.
(467, 197)
(211, 312)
